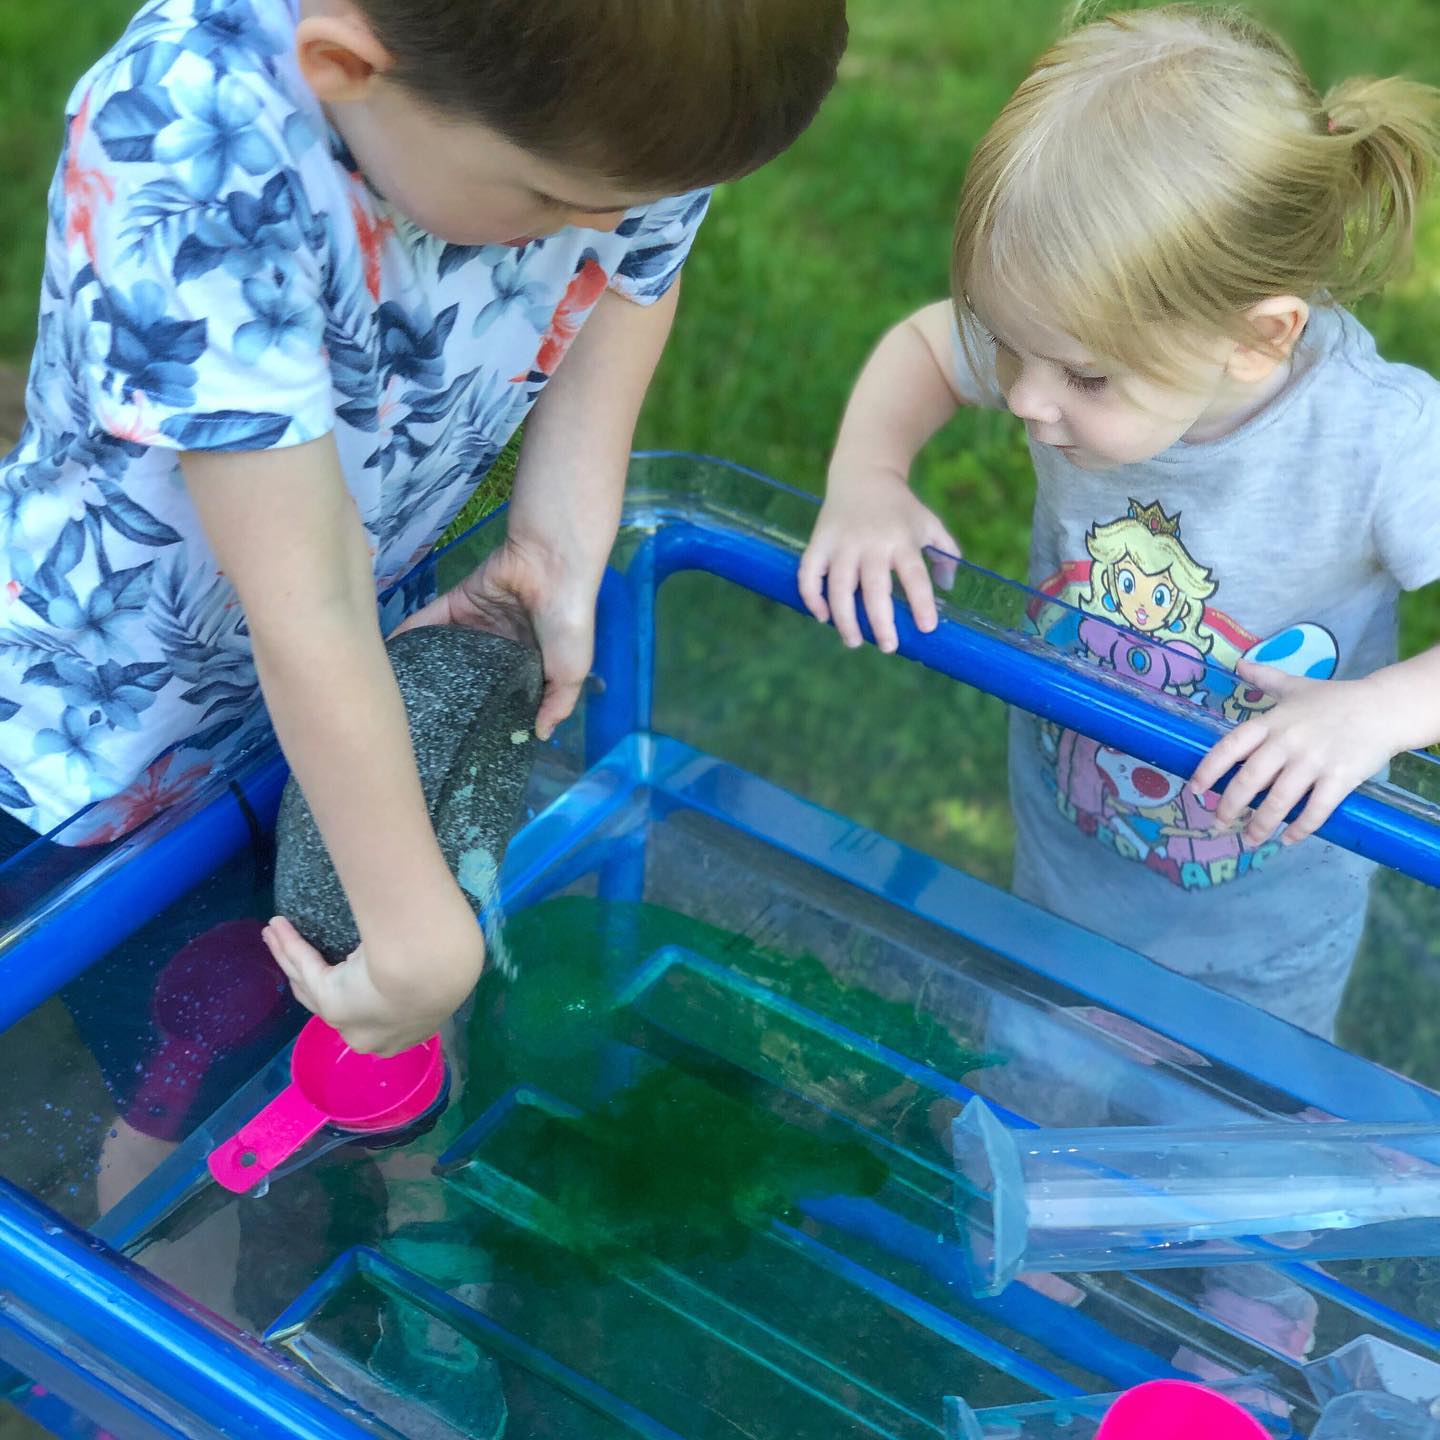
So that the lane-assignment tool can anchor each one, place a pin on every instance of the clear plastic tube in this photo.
(1136, 1198)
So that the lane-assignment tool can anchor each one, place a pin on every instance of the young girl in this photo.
(310, 264)
(1154, 241)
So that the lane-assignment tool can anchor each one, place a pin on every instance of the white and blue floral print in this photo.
(218, 277)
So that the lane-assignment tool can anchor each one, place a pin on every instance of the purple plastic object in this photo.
(1177, 1410)
(215, 995)
(331, 1084)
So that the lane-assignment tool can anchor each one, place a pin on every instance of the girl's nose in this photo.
(1031, 399)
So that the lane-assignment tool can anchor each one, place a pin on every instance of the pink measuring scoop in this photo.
(330, 1084)
(1178, 1410)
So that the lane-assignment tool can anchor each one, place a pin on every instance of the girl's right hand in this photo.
(871, 526)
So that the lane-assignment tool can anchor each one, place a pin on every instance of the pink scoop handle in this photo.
(275, 1134)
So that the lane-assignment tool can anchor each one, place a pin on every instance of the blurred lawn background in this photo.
(799, 271)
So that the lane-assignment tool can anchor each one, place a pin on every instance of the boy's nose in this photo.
(608, 222)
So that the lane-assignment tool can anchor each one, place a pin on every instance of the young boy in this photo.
(310, 264)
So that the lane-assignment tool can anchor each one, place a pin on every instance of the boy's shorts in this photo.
(185, 1010)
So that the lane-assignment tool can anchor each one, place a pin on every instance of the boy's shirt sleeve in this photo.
(1407, 507)
(661, 238)
(195, 257)
(973, 359)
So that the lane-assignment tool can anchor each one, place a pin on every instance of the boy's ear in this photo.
(1280, 320)
(339, 56)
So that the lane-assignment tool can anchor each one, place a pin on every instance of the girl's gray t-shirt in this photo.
(1287, 541)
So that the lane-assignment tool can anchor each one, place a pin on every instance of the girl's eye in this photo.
(1162, 597)
(1088, 383)
(995, 340)
(1127, 582)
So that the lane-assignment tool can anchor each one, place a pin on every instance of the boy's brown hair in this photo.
(654, 94)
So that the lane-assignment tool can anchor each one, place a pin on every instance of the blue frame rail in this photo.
(103, 1313)
(989, 660)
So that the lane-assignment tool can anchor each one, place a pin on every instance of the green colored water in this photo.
(573, 954)
(635, 1210)
(672, 1169)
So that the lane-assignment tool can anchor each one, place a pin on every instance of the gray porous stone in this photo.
(471, 699)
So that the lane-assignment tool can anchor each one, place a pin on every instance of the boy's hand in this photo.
(531, 595)
(1322, 739)
(869, 526)
(381, 1010)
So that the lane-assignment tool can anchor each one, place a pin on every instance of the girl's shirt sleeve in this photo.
(194, 256)
(1407, 508)
(661, 238)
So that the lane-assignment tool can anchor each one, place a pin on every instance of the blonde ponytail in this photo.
(1390, 129)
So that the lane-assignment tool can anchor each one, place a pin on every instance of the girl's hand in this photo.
(870, 526)
(1322, 739)
(532, 595)
(382, 1009)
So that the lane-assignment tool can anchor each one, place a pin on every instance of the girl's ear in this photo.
(340, 56)
(1279, 321)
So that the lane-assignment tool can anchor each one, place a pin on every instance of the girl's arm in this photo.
(566, 507)
(285, 531)
(1322, 739)
(870, 524)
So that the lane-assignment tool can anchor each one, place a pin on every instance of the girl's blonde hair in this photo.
(1174, 166)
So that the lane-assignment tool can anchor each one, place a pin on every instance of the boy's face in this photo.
(1094, 413)
(464, 183)
(457, 179)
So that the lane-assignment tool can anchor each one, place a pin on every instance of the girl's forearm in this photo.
(903, 396)
(1407, 701)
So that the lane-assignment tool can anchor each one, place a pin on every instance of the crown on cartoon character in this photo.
(1154, 518)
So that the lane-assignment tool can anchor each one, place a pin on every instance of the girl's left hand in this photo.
(1321, 739)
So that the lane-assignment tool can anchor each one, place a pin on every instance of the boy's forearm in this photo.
(287, 534)
(338, 713)
(571, 477)
(903, 396)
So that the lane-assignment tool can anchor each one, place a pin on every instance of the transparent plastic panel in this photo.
(696, 1178)
(1114, 845)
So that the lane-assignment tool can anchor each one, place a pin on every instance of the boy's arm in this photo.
(871, 524)
(566, 507)
(285, 532)
(1322, 739)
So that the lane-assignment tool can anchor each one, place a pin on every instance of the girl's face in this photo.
(1092, 412)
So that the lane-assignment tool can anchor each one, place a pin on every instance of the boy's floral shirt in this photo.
(218, 277)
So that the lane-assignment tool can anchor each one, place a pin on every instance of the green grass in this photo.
(798, 273)
(803, 266)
